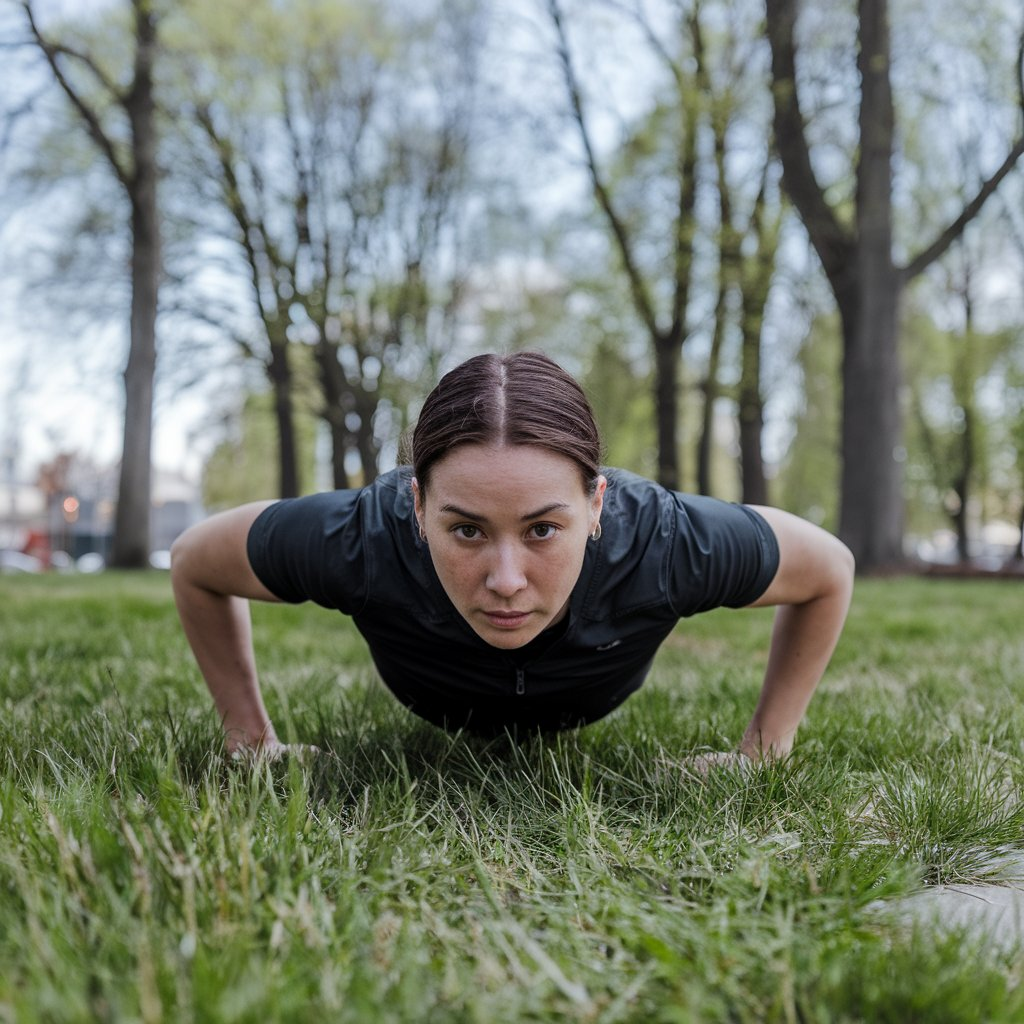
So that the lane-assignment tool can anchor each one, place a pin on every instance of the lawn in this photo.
(407, 875)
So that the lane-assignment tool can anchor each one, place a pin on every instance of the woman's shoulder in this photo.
(629, 494)
(635, 514)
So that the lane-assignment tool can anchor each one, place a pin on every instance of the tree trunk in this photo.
(871, 506)
(756, 272)
(138, 176)
(365, 441)
(280, 373)
(866, 285)
(728, 262)
(963, 389)
(130, 549)
(710, 387)
(666, 406)
(131, 542)
(666, 343)
(332, 391)
(961, 487)
(753, 486)
(871, 498)
(865, 281)
(756, 278)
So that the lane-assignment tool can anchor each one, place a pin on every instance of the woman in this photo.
(505, 582)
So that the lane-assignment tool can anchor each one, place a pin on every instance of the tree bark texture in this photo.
(138, 174)
(756, 271)
(867, 284)
(667, 356)
(333, 387)
(279, 371)
(728, 263)
(666, 334)
(267, 272)
(871, 500)
(131, 543)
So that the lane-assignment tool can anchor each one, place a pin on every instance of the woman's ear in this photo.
(597, 502)
(417, 504)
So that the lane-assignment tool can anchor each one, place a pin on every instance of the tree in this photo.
(338, 162)
(757, 268)
(648, 196)
(666, 327)
(748, 233)
(238, 470)
(99, 100)
(862, 270)
(809, 475)
(955, 435)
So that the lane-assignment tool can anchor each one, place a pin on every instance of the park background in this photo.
(785, 255)
(787, 261)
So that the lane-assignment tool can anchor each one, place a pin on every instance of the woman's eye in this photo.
(542, 531)
(467, 531)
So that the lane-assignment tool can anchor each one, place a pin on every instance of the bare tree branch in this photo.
(93, 124)
(653, 39)
(637, 284)
(956, 228)
(62, 49)
(832, 242)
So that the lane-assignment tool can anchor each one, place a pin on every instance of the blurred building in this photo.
(70, 505)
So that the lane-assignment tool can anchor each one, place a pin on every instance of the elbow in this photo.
(844, 570)
(848, 562)
(181, 550)
(851, 563)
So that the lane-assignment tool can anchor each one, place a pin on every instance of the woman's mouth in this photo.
(506, 620)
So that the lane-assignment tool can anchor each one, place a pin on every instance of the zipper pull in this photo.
(520, 681)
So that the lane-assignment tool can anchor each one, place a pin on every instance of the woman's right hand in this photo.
(274, 750)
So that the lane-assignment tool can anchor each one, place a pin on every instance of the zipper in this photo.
(520, 681)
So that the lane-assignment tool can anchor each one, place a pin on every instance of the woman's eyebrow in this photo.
(554, 506)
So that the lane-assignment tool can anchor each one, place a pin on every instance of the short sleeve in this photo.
(722, 555)
(311, 549)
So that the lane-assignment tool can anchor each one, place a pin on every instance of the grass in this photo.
(408, 875)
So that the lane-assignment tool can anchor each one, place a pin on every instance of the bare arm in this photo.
(812, 587)
(212, 580)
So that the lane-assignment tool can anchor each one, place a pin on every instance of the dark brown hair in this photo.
(522, 398)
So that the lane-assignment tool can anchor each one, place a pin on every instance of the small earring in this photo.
(423, 535)
(596, 535)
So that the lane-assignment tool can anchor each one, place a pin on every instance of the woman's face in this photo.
(507, 528)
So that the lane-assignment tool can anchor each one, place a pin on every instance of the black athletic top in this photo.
(661, 556)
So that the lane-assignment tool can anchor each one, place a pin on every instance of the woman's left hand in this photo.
(275, 751)
(699, 766)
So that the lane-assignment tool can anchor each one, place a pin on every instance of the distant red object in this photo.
(37, 544)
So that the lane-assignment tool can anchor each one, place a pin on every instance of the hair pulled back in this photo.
(521, 398)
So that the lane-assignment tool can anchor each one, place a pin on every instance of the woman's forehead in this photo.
(521, 476)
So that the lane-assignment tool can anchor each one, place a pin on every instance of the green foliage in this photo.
(952, 431)
(244, 466)
(808, 481)
(622, 403)
(408, 875)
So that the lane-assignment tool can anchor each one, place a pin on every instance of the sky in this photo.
(65, 406)
(51, 404)
(62, 405)
(55, 404)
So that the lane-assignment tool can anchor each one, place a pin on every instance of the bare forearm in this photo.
(812, 590)
(212, 582)
(219, 631)
(803, 639)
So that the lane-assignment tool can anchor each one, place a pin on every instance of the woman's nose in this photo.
(506, 577)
